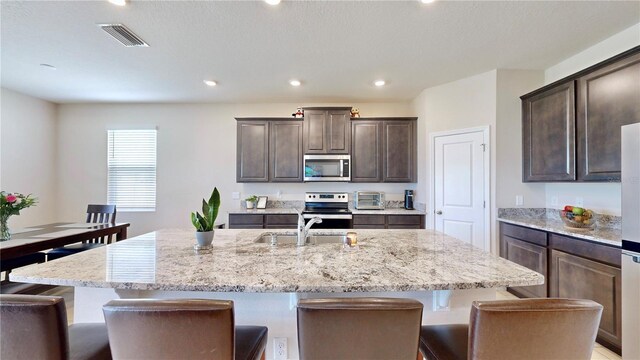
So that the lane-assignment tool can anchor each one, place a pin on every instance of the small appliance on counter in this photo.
(368, 200)
(408, 199)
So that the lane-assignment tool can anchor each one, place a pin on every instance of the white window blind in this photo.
(132, 169)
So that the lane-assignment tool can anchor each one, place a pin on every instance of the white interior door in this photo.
(459, 186)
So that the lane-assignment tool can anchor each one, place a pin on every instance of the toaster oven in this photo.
(369, 200)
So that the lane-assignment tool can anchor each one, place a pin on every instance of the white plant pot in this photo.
(204, 238)
(250, 204)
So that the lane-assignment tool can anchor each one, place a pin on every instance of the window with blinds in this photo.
(132, 169)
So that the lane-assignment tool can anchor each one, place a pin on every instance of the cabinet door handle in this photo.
(439, 212)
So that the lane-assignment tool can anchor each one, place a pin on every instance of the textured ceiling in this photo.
(337, 49)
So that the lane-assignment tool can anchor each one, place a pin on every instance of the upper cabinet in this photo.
(327, 130)
(607, 99)
(548, 135)
(571, 128)
(384, 150)
(269, 150)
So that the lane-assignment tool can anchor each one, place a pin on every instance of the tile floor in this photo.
(599, 352)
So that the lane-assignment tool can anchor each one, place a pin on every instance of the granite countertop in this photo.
(387, 260)
(604, 235)
(387, 211)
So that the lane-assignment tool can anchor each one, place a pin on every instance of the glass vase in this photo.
(4, 228)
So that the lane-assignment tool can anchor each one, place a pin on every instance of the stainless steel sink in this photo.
(289, 239)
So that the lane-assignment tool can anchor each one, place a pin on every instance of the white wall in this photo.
(196, 151)
(604, 198)
(28, 154)
(461, 104)
(511, 84)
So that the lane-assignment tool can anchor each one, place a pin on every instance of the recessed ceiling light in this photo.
(427, 1)
(118, 2)
(379, 83)
(295, 82)
(272, 2)
(48, 66)
(210, 82)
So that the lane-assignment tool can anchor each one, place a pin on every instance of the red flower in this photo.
(11, 198)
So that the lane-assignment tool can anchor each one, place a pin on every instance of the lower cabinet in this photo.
(531, 256)
(573, 268)
(580, 278)
(382, 221)
(260, 221)
(290, 221)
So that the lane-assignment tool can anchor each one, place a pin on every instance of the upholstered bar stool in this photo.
(358, 328)
(180, 329)
(517, 329)
(35, 327)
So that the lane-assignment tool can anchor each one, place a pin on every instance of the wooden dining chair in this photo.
(96, 214)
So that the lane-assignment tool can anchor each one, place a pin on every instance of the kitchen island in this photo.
(266, 281)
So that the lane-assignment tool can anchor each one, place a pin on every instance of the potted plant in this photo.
(204, 223)
(251, 201)
(11, 204)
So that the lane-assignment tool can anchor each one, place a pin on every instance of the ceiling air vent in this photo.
(125, 36)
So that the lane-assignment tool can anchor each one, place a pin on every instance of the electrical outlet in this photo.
(235, 195)
(280, 348)
(519, 200)
(579, 202)
(554, 201)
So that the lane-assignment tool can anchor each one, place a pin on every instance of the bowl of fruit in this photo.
(575, 217)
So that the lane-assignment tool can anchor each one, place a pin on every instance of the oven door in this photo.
(331, 221)
(327, 168)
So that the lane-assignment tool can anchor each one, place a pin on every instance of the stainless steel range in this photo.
(332, 208)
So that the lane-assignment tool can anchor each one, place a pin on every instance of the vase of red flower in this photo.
(11, 204)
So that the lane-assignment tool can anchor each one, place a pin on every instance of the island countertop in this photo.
(387, 260)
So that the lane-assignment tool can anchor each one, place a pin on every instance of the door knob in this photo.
(439, 212)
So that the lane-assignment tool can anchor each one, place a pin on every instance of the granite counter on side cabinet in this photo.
(542, 220)
(284, 211)
(387, 260)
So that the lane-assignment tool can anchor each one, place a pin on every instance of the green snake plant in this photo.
(206, 221)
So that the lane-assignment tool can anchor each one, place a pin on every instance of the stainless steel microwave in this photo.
(327, 168)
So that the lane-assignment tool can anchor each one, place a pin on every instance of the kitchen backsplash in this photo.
(608, 221)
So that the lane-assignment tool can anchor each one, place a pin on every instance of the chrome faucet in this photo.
(303, 230)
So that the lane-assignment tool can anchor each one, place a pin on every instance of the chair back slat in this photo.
(98, 214)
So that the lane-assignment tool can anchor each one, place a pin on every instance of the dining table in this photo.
(29, 240)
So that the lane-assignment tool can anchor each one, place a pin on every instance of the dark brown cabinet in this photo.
(548, 135)
(573, 268)
(269, 150)
(327, 130)
(526, 247)
(383, 150)
(285, 151)
(263, 221)
(366, 151)
(608, 98)
(580, 278)
(571, 128)
(382, 221)
(252, 151)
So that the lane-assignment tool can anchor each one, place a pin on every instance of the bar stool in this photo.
(35, 327)
(180, 329)
(359, 328)
(517, 329)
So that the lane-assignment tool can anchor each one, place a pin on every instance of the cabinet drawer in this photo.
(606, 254)
(244, 226)
(241, 219)
(355, 226)
(369, 220)
(537, 237)
(280, 219)
(407, 226)
(404, 219)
